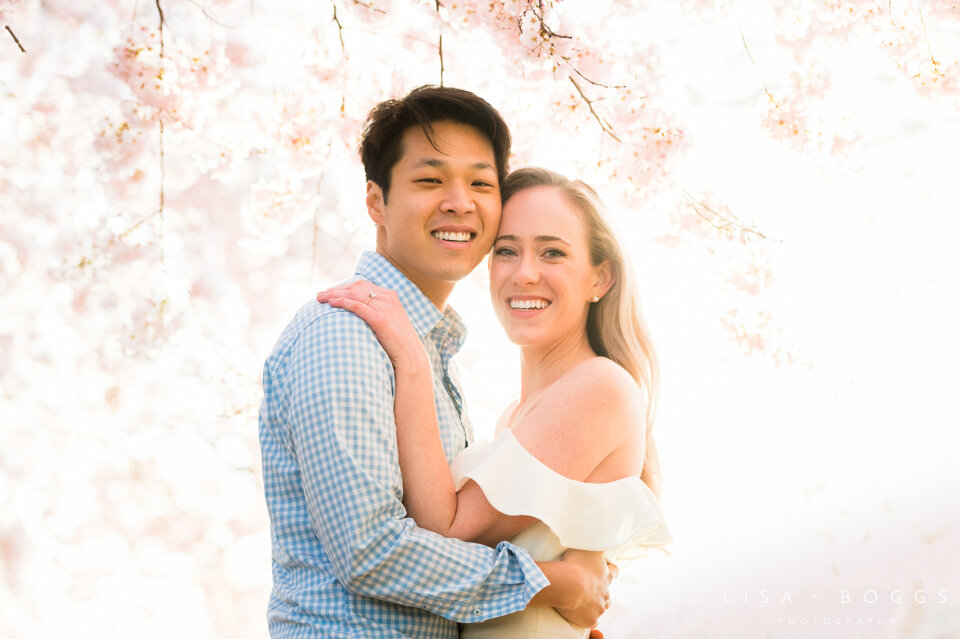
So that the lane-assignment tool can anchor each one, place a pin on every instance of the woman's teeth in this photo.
(526, 305)
(451, 236)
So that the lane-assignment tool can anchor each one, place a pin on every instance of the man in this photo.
(346, 560)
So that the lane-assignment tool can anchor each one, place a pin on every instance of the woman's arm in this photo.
(429, 494)
(591, 416)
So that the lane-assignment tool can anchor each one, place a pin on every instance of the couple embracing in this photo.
(386, 519)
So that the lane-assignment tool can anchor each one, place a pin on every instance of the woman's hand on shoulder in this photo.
(593, 411)
(380, 308)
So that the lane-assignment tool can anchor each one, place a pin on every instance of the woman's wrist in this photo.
(566, 585)
(411, 361)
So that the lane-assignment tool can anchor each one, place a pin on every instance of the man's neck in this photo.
(436, 291)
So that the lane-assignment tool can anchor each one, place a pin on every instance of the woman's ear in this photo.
(375, 202)
(606, 277)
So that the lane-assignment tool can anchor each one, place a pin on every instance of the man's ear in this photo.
(606, 277)
(375, 202)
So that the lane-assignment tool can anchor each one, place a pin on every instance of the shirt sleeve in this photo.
(340, 388)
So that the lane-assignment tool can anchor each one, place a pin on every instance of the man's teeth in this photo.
(525, 305)
(450, 236)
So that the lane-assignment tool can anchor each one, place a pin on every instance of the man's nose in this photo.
(457, 199)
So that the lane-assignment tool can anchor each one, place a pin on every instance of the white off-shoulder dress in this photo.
(621, 518)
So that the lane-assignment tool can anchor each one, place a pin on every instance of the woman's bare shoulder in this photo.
(600, 382)
(583, 417)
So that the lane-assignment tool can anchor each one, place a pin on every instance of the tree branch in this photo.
(726, 224)
(15, 38)
(343, 47)
(369, 6)
(440, 45)
(209, 17)
(746, 48)
(926, 39)
(160, 11)
(163, 168)
(600, 84)
(603, 123)
(544, 29)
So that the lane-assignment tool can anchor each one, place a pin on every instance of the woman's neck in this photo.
(541, 366)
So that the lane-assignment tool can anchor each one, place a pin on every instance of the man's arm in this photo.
(339, 416)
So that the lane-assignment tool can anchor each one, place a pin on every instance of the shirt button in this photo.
(476, 612)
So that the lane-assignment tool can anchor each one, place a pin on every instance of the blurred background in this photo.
(177, 177)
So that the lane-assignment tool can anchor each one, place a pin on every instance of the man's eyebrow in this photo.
(432, 162)
(438, 163)
(539, 238)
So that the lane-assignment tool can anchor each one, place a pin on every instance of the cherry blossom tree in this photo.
(176, 175)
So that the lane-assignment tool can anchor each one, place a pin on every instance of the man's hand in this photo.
(596, 576)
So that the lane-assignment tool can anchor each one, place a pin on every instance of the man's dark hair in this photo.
(381, 145)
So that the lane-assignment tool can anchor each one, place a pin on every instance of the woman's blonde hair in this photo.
(615, 326)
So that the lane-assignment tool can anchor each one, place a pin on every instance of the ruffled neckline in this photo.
(622, 515)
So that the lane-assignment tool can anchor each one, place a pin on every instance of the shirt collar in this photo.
(423, 314)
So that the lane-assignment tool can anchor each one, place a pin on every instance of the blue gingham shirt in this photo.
(347, 561)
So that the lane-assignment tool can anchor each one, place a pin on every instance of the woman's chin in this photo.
(526, 337)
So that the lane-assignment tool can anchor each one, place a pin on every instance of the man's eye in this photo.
(483, 184)
(429, 180)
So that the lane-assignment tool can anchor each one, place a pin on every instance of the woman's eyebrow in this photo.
(539, 238)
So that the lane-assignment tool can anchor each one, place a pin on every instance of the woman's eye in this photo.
(504, 251)
(552, 252)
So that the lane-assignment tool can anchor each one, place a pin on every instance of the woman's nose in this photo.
(527, 272)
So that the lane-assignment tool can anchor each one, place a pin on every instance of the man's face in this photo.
(443, 207)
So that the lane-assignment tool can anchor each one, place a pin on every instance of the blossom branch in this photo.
(336, 20)
(743, 39)
(603, 123)
(209, 17)
(544, 29)
(163, 168)
(726, 224)
(160, 11)
(369, 6)
(440, 46)
(14, 36)
(926, 39)
(599, 84)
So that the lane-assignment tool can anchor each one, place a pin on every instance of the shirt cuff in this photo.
(533, 577)
(521, 571)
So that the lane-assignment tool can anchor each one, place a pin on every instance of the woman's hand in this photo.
(598, 573)
(380, 308)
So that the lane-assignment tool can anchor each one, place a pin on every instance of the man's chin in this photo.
(457, 271)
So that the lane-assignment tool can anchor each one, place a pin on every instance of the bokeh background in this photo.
(178, 176)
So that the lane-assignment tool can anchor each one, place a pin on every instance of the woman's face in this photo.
(541, 278)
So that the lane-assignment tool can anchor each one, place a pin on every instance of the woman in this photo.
(573, 461)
